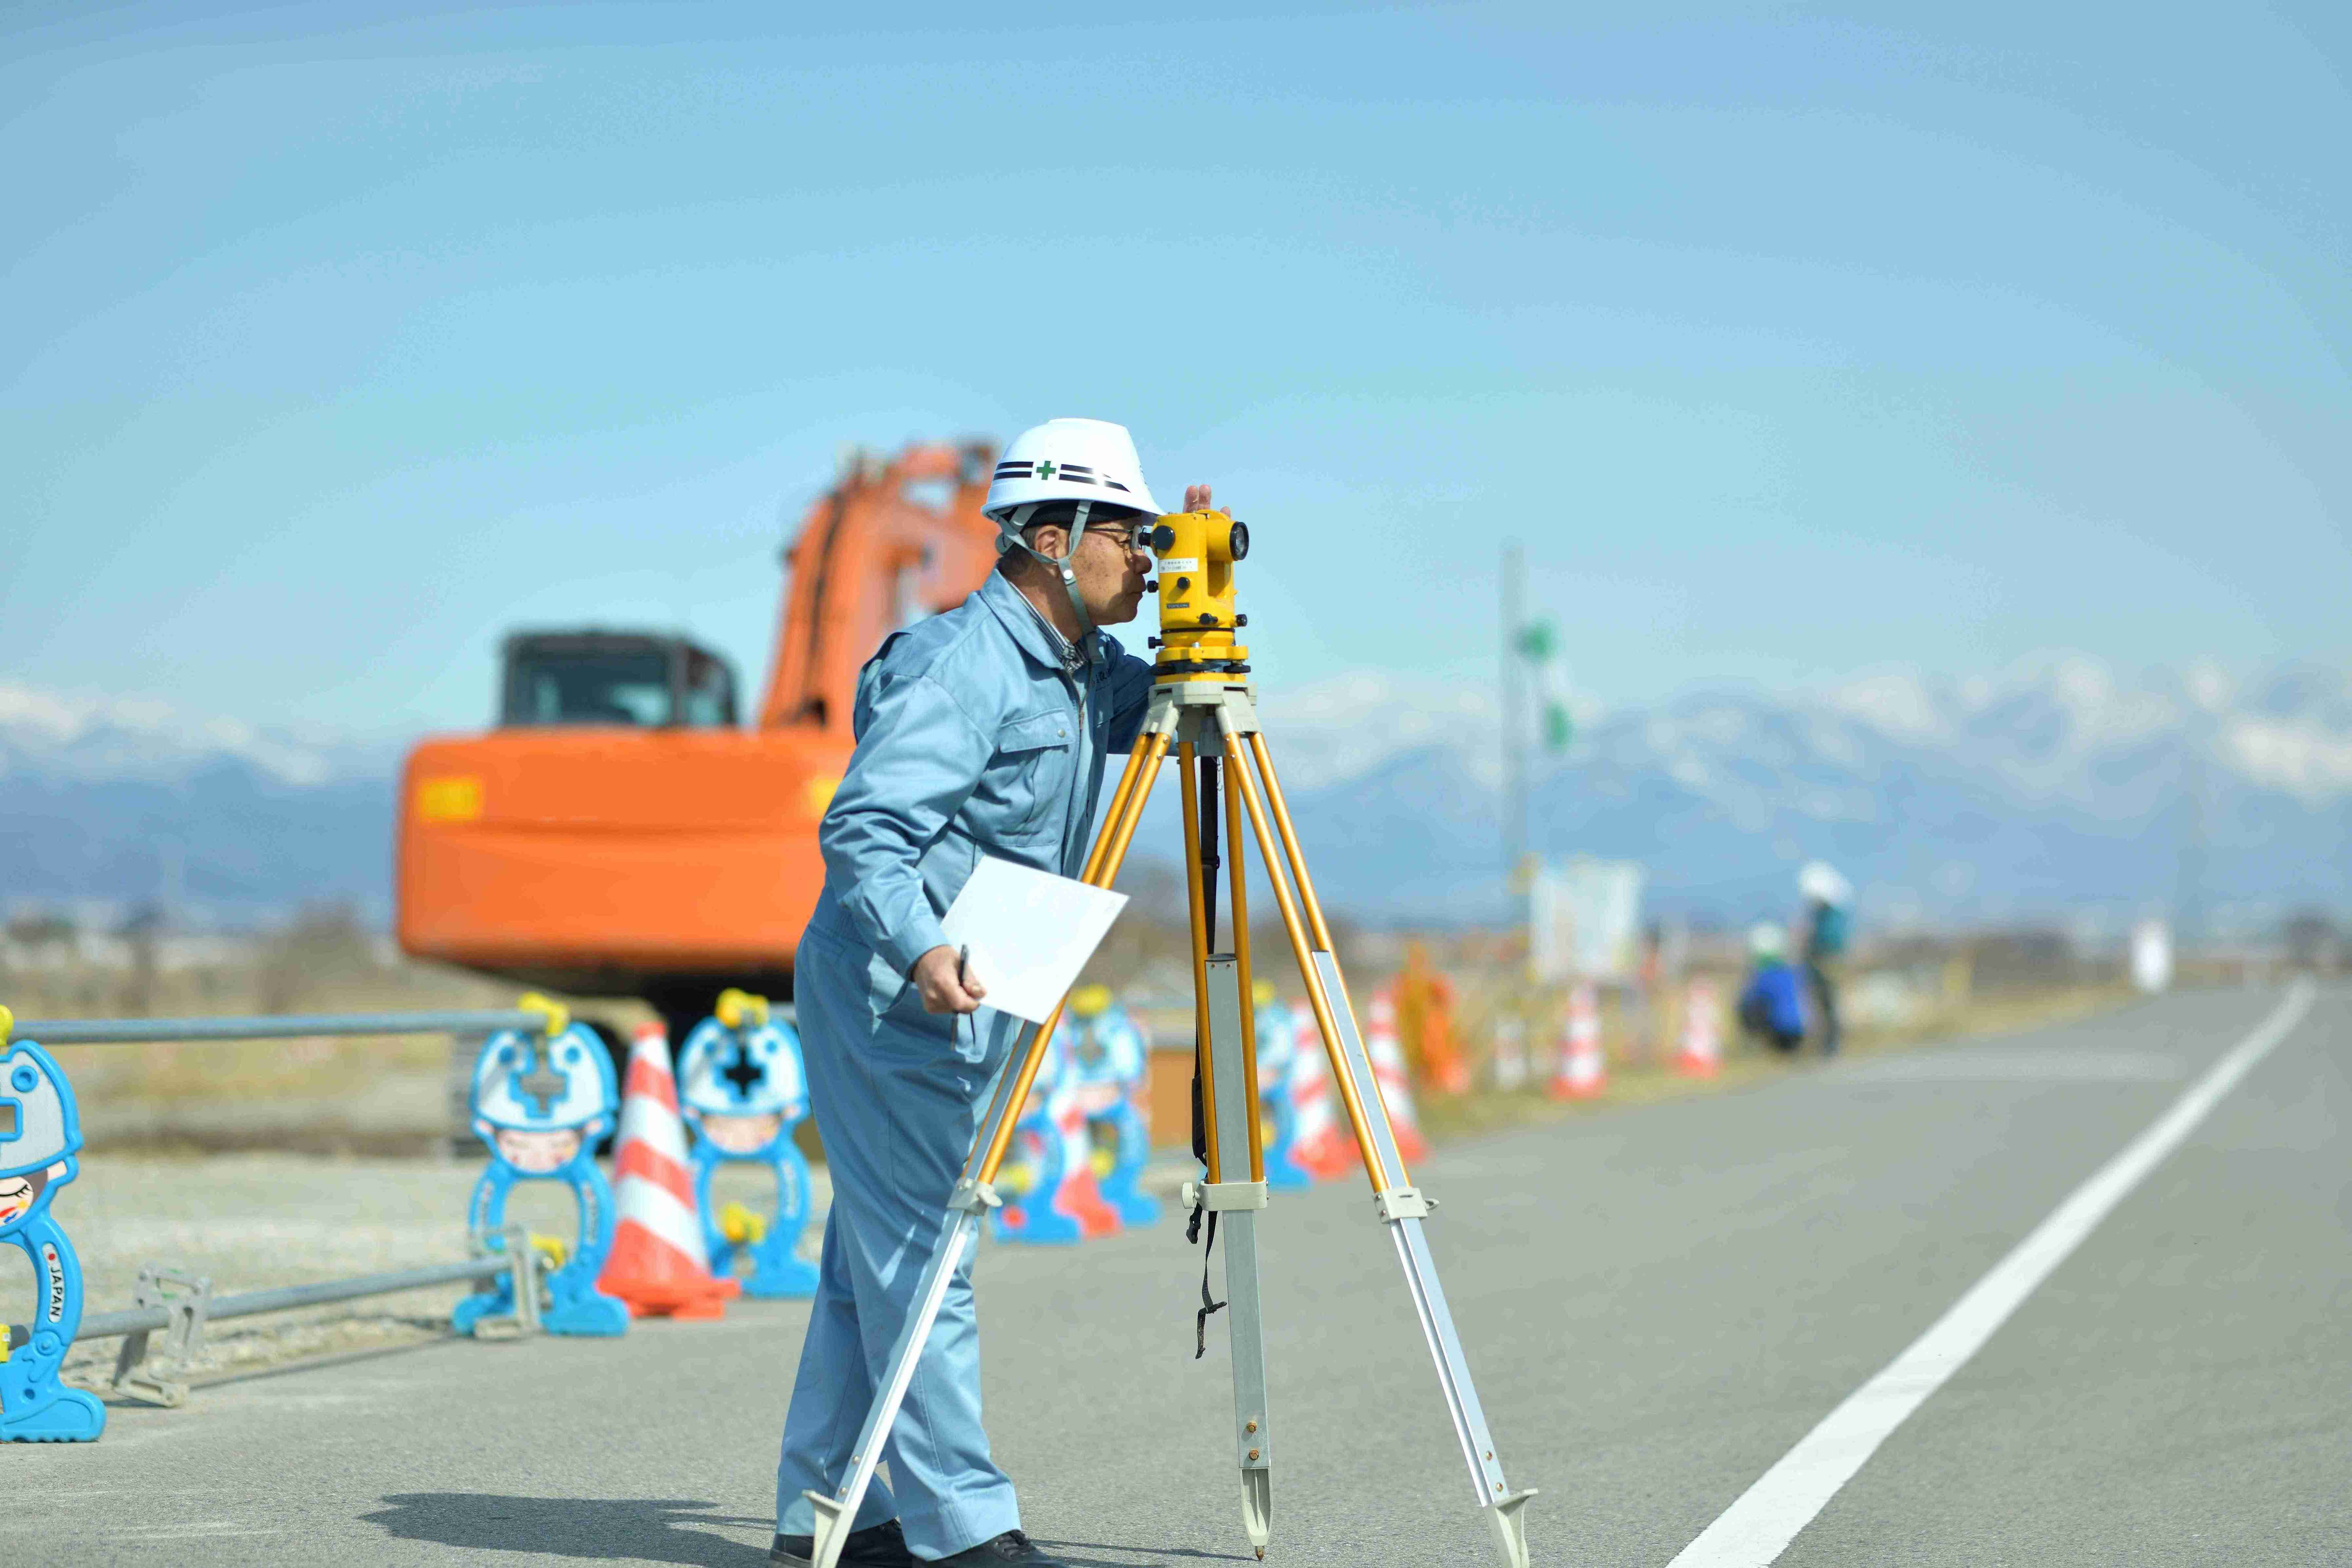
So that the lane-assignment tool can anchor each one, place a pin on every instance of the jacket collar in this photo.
(1030, 631)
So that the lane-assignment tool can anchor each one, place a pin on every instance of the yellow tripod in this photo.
(1202, 709)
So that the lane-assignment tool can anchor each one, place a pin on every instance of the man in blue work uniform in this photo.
(980, 731)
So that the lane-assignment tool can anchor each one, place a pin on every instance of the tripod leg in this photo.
(1402, 1208)
(973, 1195)
(1252, 1429)
(1235, 1203)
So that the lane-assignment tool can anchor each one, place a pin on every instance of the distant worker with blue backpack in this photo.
(1828, 898)
(1772, 1002)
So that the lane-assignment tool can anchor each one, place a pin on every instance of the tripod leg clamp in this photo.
(1403, 1203)
(1222, 1197)
(973, 1197)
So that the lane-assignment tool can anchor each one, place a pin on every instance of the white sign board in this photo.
(1583, 919)
(1028, 933)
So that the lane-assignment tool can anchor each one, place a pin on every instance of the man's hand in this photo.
(1196, 497)
(942, 991)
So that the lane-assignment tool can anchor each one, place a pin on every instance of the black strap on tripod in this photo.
(1210, 863)
(1208, 1303)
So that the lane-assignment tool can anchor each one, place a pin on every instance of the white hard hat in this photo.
(1819, 880)
(1069, 459)
(1767, 940)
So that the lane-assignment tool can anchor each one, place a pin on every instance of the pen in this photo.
(963, 957)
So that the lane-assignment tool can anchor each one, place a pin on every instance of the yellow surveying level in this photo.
(1202, 707)
(1197, 551)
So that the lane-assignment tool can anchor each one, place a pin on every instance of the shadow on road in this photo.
(658, 1530)
(1132, 1556)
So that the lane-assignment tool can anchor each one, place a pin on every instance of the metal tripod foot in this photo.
(1257, 1510)
(1510, 1529)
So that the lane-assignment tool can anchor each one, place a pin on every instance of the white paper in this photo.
(1030, 933)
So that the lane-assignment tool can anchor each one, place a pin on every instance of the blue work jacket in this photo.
(974, 737)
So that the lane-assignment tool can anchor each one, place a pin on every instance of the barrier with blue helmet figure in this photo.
(1110, 1060)
(1050, 1197)
(742, 1089)
(1277, 1049)
(540, 1101)
(40, 1131)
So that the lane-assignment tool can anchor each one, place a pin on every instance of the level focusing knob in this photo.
(1163, 539)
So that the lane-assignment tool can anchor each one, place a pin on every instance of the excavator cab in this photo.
(633, 679)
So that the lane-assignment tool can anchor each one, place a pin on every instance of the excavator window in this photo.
(621, 679)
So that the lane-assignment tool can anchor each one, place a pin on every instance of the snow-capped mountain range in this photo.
(2049, 789)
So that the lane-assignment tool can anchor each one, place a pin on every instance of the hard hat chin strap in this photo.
(1060, 565)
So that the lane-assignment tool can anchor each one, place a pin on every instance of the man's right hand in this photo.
(935, 979)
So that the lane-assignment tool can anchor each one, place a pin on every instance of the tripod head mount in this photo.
(1197, 551)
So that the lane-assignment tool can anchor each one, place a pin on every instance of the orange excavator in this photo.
(619, 833)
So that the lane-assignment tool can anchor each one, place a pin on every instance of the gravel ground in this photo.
(251, 1222)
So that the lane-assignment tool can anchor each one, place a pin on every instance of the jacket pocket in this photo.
(1028, 775)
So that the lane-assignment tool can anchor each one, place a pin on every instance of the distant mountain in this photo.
(2054, 788)
(124, 803)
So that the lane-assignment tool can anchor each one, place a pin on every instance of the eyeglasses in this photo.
(1133, 536)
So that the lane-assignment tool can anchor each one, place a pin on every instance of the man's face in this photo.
(1109, 568)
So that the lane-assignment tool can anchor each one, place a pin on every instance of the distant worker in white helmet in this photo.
(1828, 927)
(980, 731)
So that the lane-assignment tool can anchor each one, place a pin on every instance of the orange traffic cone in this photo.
(1387, 1069)
(657, 1264)
(1702, 1048)
(1582, 1071)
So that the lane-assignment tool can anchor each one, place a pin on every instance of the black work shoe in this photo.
(881, 1545)
(1010, 1547)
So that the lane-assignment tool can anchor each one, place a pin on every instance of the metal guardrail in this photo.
(105, 1325)
(179, 1306)
(275, 1026)
(177, 1303)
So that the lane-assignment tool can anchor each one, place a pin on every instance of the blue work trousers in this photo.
(897, 1099)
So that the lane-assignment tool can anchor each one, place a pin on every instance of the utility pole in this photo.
(1514, 761)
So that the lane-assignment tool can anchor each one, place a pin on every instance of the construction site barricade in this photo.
(742, 1089)
(1277, 1051)
(658, 1263)
(1110, 1059)
(40, 1133)
(1051, 1198)
(539, 1102)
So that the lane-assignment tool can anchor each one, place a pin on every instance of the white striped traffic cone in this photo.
(1324, 1147)
(1702, 1048)
(657, 1264)
(1582, 1071)
(1381, 1045)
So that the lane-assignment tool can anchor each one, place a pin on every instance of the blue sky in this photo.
(1788, 339)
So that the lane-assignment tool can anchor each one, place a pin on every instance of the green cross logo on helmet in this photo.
(1047, 469)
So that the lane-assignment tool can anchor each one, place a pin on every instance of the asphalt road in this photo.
(1659, 1302)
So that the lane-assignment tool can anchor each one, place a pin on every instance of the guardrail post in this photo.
(153, 1378)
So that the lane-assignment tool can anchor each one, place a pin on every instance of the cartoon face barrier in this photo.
(541, 1102)
(1111, 1057)
(39, 1133)
(1049, 1190)
(1277, 1049)
(742, 1089)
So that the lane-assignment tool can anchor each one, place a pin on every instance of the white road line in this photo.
(1758, 1528)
